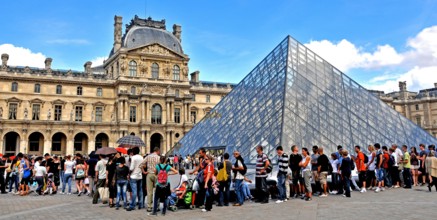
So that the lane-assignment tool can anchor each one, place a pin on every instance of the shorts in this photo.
(307, 180)
(315, 175)
(296, 177)
(380, 174)
(414, 167)
(362, 176)
(25, 181)
(323, 178)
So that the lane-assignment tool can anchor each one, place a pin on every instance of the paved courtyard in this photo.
(417, 203)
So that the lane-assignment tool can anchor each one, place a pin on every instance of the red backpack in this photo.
(162, 175)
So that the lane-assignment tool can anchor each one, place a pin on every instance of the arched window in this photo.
(58, 89)
(14, 87)
(133, 90)
(37, 88)
(155, 71)
(132, 68)
(176, 72)
(156, 114)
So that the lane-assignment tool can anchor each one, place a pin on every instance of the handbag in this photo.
(104, 193)
(222, 173)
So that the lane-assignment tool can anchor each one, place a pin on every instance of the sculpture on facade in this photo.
(144, 89)
(92, 115)
(49, 114)
(112, 117)
(1, 112)
(71, 115)
(25, 113)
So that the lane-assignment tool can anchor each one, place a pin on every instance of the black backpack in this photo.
(352, 164)
(269, 168)
(366, 158)
(244, 171)
(391, 161)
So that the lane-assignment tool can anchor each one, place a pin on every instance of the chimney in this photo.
(195, 76)
(177, 30)
(5, 58)
(87, 67)
(117, 32)
(48, 63)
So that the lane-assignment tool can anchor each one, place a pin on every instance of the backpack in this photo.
(352, 165)
(242, 172)
(222, 175)
(391, 161)
(366, 158)
(162, 175)
(269, 168)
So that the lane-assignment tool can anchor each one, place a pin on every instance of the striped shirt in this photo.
(283, 164)
(261, 161)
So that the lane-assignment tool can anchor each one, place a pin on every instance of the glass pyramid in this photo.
(295, 97)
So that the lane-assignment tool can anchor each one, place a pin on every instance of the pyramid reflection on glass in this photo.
(295, 97)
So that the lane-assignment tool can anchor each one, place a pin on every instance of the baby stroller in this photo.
(49, 185)
(184, 196)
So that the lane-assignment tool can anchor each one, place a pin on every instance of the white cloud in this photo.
(98, 61)
(20, 56)
(419, 61)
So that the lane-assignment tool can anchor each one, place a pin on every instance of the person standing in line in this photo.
(414, 160)
(150, 163)
(238, 169)
(431, 166)
(111, 180)
(91, 171)
(121, 178)
(305, 164)
(361, 168)
(224, 186)
(208, 183)
(68, 174)
(380, 172)
(346, 171)
(282, 173)
(394, 169)
(407, 165)
(100, 178)
(293, 162)
(262, 163)
(422, 169)
(136, 182)
(200, 166)
(40, 173)
(335, 176)
(386, 164)
(323, 163)
(162, 191)
(314, 167)
(3, 167)
(400, 158)
(27, 174)
(371, 166)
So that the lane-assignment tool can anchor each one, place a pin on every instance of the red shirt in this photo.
(385, 162)
(360, 162)
(208, 169)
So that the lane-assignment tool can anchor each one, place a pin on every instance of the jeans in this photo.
(224, 192)
(91, 185)
(62, 174)
(394, 171)
(209, 196)
(407, 177)
(380, 173)
(335, 182)
(246, 190)
(121, 191)
(13, 180)
(239, 191)
(261, 187)
(40, 181)
(67, 177)
(2, 183)
(347, 185)
(137, 191)
(387, 179)
(281, 186)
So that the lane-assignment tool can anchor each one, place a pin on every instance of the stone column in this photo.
(167, 111)
(148, 113)
(143, 137)
(70, 146)
(47, 146)
(120, 110)
(91, 146)
(24, 146)
(143, 109)
(2, 147)
(126, 110)
(147, 141)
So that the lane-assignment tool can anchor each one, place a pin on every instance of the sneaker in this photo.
(149, 210)
(383, 188)
(323, 195)
(203, 210)
(397, 187)
(333, 192)
(295, 196)
(80, 193)
(363, 190)
(62, 193)
(285, 200)
(68, 193)
(377, 190)
(236, 204)
(279, 201)
(308, 199)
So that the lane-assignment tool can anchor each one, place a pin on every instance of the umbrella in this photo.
(121, 150)
(106, 151)
(131, 140)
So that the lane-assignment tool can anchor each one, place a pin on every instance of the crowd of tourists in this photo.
(140, 182)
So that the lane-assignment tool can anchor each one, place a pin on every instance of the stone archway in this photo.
(156, 140)
(102, 140)
(59, 144)
(36, 143)
(80, 143)
(11, 143)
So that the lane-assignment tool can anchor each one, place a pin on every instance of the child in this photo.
(246, 190)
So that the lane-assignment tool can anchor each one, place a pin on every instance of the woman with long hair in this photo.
(14, 175)
(27, 174)
(414, 165)
(80, 175)
(68, 174)
(306, 173)
(371, 166)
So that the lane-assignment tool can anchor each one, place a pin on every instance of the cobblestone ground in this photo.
(399, 204)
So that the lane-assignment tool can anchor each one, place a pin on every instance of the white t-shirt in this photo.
(41, 171)
(101, 168)
(239, 176)
(36, 165)
(371, 166)
(334, 165)
(69, 166)
(184, 178)
(396, 159)
(135, 167)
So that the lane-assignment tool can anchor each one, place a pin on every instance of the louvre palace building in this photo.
(143, 88)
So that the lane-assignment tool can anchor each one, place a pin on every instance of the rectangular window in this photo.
(99, 92)
(58, 112)
(417, 107)
(79, 90)
(78, 144)
(193, 117)
(194, 97)
(177, 115)
(79, 110)
(58, 89)
(13, 111)
(208, 98)
(99, 113)
(36, 108)
(419, 121)
(33, 145)
(37, 88)
(133, 114)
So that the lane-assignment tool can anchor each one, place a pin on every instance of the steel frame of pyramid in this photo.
(295, 97)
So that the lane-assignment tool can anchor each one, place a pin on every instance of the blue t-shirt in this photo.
(158, 168)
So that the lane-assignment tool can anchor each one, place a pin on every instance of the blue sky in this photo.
(377, 43)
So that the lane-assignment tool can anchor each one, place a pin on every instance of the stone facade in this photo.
(143, 88)
(420, 107)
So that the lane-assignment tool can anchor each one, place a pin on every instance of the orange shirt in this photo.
(359, 161)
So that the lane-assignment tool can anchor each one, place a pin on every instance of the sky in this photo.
(376, 42)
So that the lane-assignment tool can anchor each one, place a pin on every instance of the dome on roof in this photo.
(142, 36)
